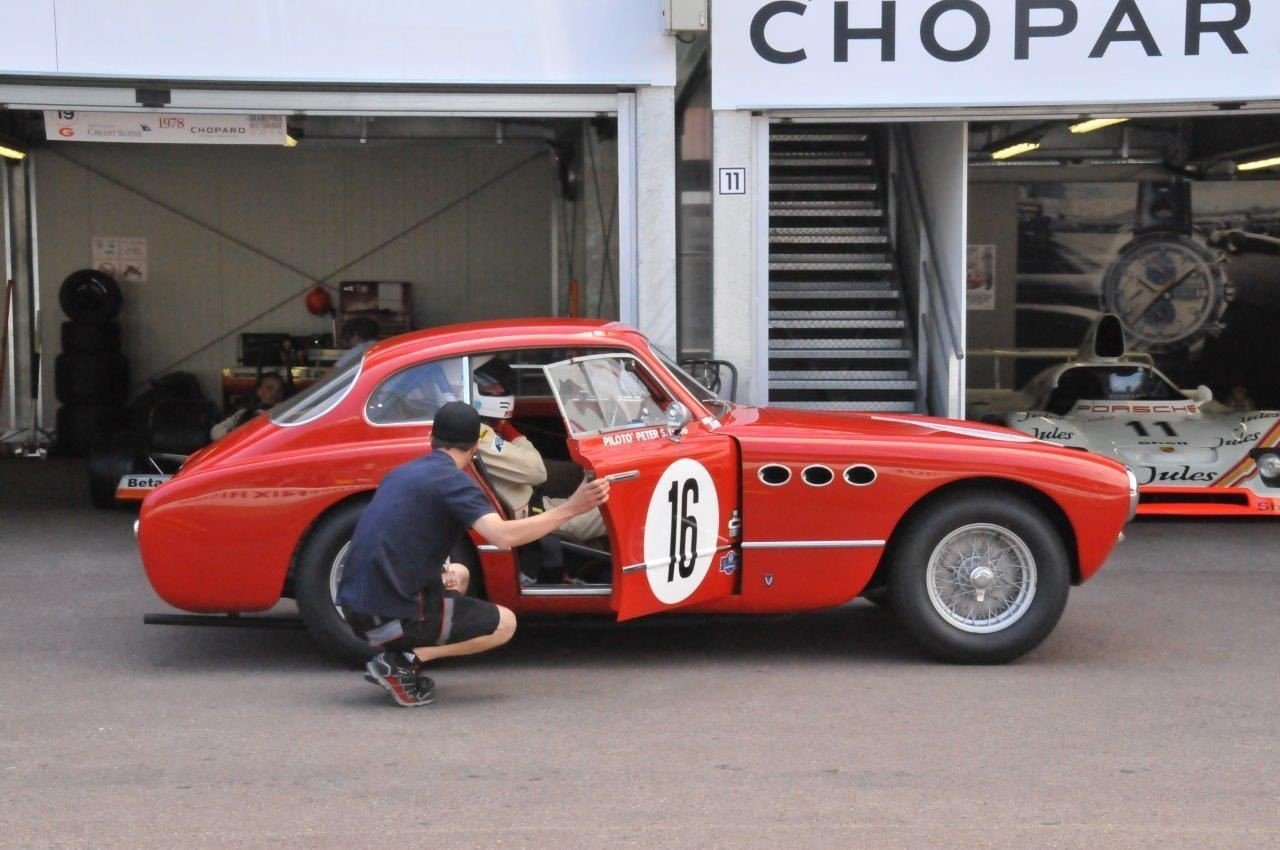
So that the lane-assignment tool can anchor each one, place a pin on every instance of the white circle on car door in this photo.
(680, 531)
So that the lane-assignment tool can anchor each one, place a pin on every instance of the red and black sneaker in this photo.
(403, 679)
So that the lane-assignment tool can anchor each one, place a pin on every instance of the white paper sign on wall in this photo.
(122, 257)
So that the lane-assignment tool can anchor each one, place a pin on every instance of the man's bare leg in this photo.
(506, 629)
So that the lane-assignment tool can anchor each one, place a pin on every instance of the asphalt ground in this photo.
(1149, 719)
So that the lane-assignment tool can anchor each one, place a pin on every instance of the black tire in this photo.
(879, 597)
(113, 456)
(90, 337)
(179, 426)
(908, 589)
(91, 378)
(78, 424)
(315, 562)
(90, 296)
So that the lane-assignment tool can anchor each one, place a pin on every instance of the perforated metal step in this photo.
(861, 406)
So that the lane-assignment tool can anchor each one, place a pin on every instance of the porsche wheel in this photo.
(321, 560)
(981, 579)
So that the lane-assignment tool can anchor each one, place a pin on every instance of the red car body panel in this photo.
(222, 534)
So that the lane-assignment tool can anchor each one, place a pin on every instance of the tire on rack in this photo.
(90, 337)
(113, 456)
(89, 295)
(986, 544)
(101, 378)
(78, 424)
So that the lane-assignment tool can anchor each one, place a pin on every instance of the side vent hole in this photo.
(775, 475)
(860, 476)
(817, 476)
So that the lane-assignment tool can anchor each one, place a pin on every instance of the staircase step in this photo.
(868, 266)
(841, 346)
(836, 295)
(783, 136)
(831, 375)
(836, 324)
(849, 386)
(816, 239)
(820, 209)
(779, 286)
(806, 159)
(838, 315)
(825, 186)
(866, 406)
(840, 354)
(825, 232)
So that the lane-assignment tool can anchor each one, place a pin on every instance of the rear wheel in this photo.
(980, 579)
(320, 563)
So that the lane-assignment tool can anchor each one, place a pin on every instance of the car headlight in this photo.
(1133, 492)
(1269, 466)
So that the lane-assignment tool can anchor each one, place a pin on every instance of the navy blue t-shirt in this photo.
(418, 514)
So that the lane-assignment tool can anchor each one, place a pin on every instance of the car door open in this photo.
(674, 497)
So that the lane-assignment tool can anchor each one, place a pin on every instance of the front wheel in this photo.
(980, 579)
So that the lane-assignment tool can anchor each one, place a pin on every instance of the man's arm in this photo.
(510, 533)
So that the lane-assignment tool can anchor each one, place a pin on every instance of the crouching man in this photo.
(396, 588)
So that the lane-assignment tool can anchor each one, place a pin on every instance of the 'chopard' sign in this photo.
(878, 53)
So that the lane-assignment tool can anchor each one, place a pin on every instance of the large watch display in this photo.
(1169, 290)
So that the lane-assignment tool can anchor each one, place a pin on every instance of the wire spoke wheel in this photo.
(981, 578)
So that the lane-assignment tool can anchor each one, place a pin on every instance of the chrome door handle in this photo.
(622, 476)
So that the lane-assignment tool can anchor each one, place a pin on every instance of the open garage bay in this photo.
(1150, 718)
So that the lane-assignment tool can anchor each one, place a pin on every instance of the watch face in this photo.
(1165, 289)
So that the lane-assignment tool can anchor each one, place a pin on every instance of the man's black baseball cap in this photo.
(458, 423)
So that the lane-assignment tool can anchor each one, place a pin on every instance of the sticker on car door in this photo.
(681, 531)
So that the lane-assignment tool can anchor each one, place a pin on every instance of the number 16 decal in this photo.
(684, 514)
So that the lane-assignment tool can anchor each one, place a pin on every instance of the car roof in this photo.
(498, 333)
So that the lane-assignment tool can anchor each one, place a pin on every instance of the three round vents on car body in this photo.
(817, 475)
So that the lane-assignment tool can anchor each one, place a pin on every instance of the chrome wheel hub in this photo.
(981, 578)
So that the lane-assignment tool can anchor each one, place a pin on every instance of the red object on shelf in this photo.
(318, 301)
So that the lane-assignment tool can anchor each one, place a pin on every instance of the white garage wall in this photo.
(315, 208)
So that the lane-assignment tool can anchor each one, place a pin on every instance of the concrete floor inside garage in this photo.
(1150, 718)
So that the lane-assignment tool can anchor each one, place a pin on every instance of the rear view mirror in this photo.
(1203, 395)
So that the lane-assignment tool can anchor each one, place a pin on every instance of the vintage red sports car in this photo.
(973, 534)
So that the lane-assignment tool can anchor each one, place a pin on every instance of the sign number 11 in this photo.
(733, 181)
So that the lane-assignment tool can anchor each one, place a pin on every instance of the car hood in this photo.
(884, 425)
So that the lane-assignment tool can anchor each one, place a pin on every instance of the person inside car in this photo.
(267, 393)
(514, 464)
(396, 588)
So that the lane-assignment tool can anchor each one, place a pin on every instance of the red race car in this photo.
(973, 534)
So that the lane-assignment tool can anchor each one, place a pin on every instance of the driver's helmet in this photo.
(493, 384)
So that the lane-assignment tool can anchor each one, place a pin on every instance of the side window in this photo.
(413, 395)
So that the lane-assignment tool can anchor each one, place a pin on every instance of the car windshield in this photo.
(719, 407)
(319, 398)
(1109, 383)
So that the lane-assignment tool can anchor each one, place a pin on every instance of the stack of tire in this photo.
(91, 376)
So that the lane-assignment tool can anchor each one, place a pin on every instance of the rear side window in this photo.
(319, 398)
(413, 395)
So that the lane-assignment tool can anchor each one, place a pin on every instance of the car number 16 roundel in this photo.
(681, 530)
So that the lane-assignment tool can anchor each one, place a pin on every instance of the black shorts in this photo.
(455, 619)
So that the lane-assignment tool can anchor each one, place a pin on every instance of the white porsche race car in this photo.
(1192, 456)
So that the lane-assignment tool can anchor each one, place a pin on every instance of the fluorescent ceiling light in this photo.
(12, 153)
(1015, 149)
(1091, 124)
(290, 141)
(1259, 164)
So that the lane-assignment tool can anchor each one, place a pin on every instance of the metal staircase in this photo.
(839, 338)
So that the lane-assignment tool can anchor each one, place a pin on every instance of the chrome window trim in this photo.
(555, 393)
(332, 406)
(813, 544)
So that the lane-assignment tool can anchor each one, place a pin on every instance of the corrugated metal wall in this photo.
(317, 209)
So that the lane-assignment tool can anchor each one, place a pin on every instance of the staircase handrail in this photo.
(932, 268)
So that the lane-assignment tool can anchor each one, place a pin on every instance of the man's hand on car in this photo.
(590, 495)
